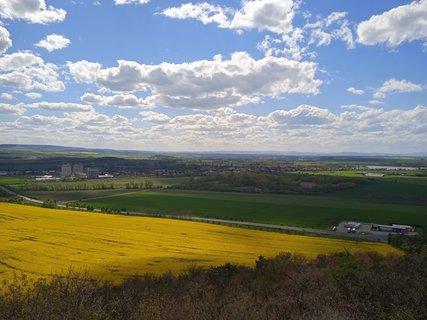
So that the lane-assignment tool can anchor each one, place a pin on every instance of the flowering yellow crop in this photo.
(40, 242)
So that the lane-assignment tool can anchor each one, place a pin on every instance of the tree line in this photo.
(273, 183)
(82, 185)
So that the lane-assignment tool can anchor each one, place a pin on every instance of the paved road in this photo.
(273, 227)
(13, 193)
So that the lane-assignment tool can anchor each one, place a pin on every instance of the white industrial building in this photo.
(66, 170)
(399, 228)
(69, 170)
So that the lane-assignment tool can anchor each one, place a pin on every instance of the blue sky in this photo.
(251, 75)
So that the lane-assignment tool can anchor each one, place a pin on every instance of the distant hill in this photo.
(54, 148)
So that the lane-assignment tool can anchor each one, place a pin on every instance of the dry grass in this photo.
(41, 242)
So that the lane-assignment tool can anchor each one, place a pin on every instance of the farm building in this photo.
(352, 224)
(393, 228)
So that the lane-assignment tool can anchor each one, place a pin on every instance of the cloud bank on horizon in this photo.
(258, 75)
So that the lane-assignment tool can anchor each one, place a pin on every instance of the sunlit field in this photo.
(39, 242)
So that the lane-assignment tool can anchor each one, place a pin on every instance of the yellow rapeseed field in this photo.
(40, 242)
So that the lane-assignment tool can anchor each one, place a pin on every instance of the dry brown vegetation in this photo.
(338, 286)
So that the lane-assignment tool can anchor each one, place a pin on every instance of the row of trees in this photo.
(269, 183)
(147, 184)
(82, 185)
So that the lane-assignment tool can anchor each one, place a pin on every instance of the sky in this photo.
(252, 75)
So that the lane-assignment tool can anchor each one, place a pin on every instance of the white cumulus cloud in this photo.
(205, 84)
(33, 95)
(122, 2)
(298, 43)
(40, 121)
(154, 117)
(304, 128)
(355, 91)
(300, 116)
(7, 96)
(16, 109)
(396, 86)
(53, 42)
(33, 11)
(61, 106)
(301, 128)
(273, 15)
(5, 41)
(401, 24)
(203, 12)
(84, 71)
(25, 71)
(118, 100)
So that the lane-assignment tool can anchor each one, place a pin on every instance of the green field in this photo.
(73, 195)
(99, 184)
(341, 173)
(390, 199)
(7, 180)
(303, 211)
(387, 189)
(411, 190)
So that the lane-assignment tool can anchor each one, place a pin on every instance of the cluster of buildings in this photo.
(72, 171)
(76, 170)
(69, 170)
(353, 227)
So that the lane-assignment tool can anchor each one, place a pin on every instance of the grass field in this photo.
(97, 184)
(12, 180)
(74, 195)
(302, 211)
(417, 186)
(389, 189)
(39, 242)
